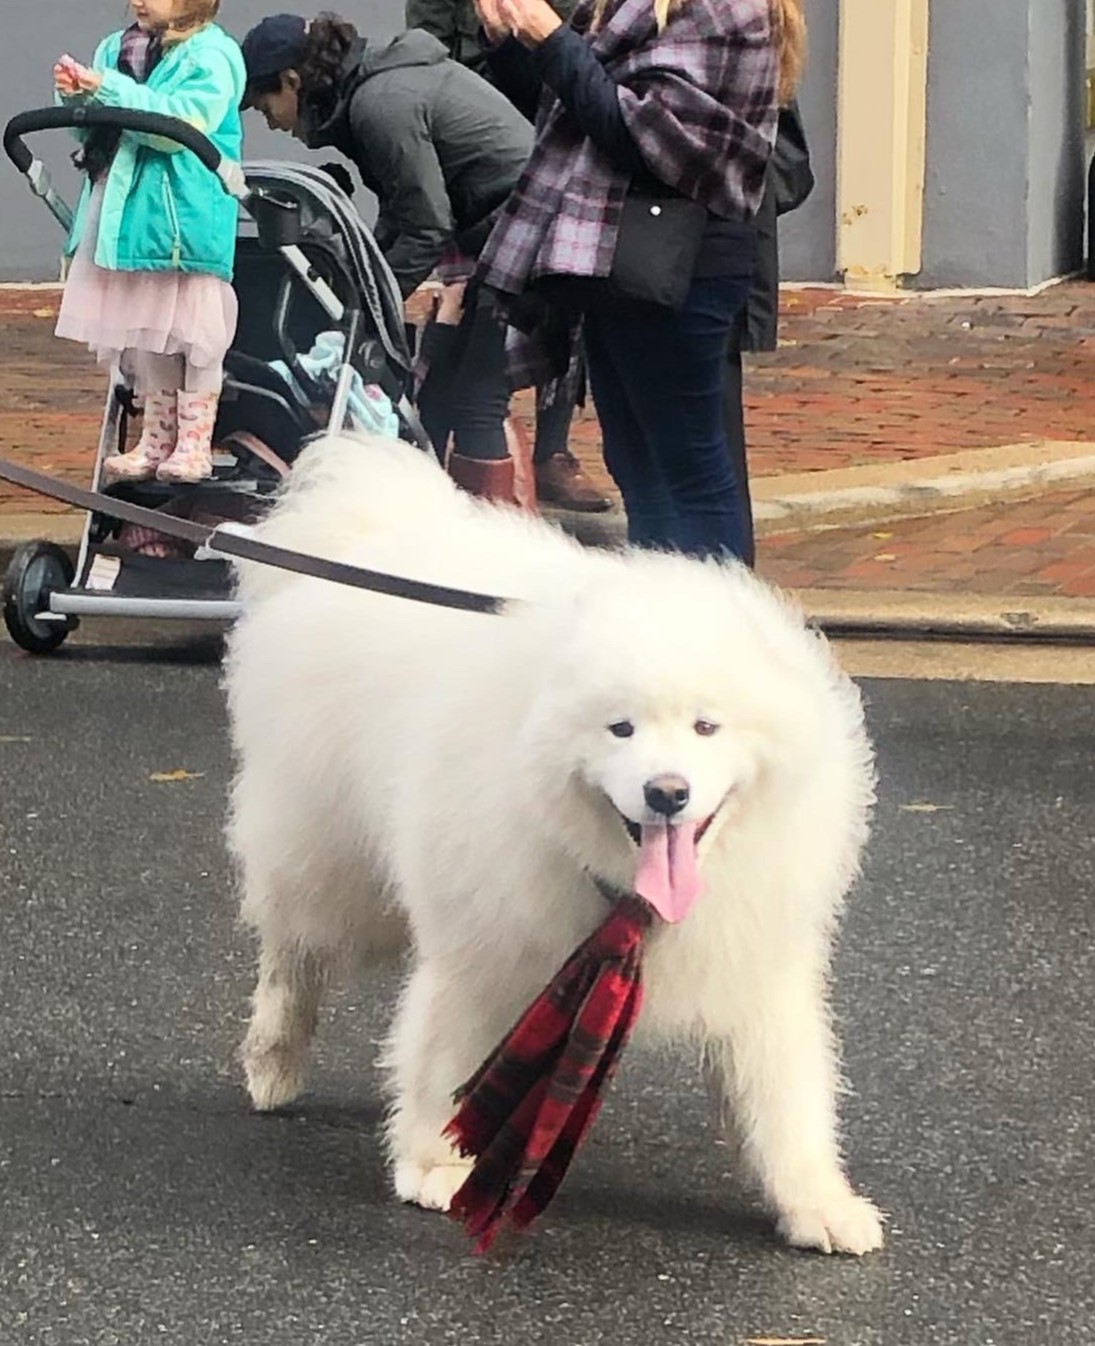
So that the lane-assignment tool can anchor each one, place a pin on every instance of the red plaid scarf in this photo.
(525, 1112)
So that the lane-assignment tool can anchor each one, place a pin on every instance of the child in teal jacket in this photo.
(153, 242)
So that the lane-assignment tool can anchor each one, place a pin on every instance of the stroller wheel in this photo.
(37, 569)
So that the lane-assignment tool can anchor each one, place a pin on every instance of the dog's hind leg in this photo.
(284, 1009)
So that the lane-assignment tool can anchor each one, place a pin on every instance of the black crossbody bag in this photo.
(654, 263)
(656, 250)
(660, 237)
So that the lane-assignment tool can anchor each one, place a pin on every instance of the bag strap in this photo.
(244, 548)
(246, 440)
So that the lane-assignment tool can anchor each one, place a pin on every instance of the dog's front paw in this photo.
(430, 1186)
(275, 1076)
(839, 1223)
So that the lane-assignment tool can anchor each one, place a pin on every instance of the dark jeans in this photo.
(466, 391)
(734, 420)
(553, 421)
(658, 383)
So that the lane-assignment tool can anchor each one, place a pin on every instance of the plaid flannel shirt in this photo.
(700, 100)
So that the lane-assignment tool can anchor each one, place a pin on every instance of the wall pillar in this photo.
(881, 131)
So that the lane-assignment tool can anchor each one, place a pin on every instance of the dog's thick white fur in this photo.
(402, 764)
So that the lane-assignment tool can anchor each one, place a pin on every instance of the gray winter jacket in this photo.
(439, 147)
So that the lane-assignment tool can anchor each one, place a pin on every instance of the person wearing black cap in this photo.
(441, 150)
(560, 478)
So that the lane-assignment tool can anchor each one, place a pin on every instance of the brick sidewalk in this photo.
(861, 381)
(1034, 548)
(856, 381)
(51, 398)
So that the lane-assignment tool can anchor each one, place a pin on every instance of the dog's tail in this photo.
(343, 489)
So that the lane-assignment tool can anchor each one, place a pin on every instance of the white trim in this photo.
(904, 295)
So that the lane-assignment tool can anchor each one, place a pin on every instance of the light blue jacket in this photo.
(162, 211)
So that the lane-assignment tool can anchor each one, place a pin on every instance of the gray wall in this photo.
(808, 237)
(30, 242)
(1058, 41)
(1004, 186)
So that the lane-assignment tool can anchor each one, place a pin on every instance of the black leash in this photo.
(249, 548)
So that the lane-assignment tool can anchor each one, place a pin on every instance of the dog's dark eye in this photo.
(621, 729)
(705, 728)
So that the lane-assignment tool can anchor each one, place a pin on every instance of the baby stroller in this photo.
(321, 344)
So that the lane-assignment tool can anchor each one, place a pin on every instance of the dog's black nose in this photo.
(666, 794)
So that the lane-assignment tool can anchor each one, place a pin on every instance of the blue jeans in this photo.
(658, 381)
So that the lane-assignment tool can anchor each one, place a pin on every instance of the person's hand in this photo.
(494, 25)
(450, 305)
(64, 80)
(70, 77)
(339, 174)
(530, 21)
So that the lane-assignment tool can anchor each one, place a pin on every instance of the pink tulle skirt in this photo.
(156, 312)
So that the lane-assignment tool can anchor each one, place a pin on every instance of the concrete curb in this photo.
(15, 529)
(908, 612)
(945, 483)
(843, 497)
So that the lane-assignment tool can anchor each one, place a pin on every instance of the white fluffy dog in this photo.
(658, 724)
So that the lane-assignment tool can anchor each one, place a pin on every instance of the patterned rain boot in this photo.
(193, 456)
(155, 446)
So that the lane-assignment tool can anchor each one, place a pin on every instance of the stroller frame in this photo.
(300, 216)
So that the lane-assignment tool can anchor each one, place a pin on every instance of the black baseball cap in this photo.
(277, 43)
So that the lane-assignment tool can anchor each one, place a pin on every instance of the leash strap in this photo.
(251, 549)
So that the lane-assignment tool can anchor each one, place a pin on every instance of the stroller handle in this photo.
(121, 119)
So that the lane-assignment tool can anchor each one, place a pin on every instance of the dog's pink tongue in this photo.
(668, 877)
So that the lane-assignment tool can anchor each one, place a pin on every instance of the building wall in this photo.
(1058, 42)
(1004, 194)
(976, 178)
(808, 237)
(1004, 179)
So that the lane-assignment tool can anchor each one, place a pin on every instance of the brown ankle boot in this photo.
(561, 480)
(488, 478)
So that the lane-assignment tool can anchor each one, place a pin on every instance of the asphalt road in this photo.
(140, 1201)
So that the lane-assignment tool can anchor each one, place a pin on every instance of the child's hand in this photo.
(71, 77)
(63, 79)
